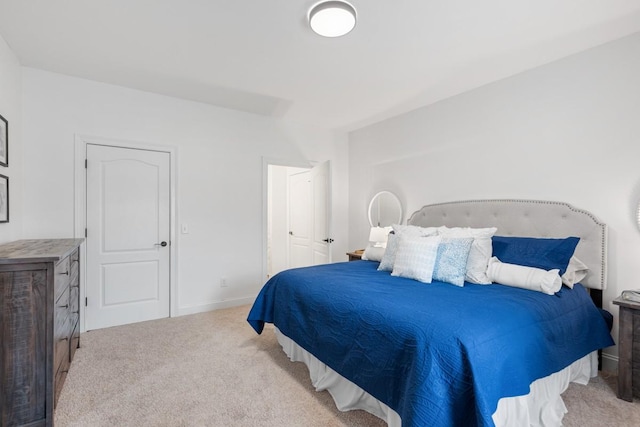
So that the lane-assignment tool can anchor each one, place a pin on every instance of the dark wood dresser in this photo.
(628, 349)
(39, 328)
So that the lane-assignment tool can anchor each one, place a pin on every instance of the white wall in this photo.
(219, 174)
(10, 109)
(567, 131)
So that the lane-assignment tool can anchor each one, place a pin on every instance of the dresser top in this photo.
(37, 250)
(627, 303)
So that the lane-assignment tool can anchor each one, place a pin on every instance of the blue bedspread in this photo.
(438, 354)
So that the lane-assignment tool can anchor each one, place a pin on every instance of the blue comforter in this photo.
(438, 354)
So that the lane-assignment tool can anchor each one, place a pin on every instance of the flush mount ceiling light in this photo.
(332, 18)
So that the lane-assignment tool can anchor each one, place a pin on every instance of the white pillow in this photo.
(414, 230)
(389, 257)
(373, 253)
(481, 250)
(575, 272)
(416, 257)
(535, 279)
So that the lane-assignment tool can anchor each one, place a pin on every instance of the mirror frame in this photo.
(377, 196)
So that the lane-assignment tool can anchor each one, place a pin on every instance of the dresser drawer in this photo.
(62, 275)
(61, 376)
(61, 329)
(75, 256)
(75, 340)
(74, 299)
(74, 266)
(61, 338)
(61, 310)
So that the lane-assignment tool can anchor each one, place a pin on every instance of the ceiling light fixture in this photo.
(332, 18)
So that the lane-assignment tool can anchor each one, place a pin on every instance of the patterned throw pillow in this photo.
(481, 250)
(416, 257)
(451, 262)
(389, 257)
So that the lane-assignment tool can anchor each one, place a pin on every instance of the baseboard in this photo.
(193, 309)
(609, 363)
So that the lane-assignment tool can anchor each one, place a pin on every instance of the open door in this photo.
(300, 219)
(309, 210)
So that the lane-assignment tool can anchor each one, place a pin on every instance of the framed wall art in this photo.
(4, 142)
(4, 198)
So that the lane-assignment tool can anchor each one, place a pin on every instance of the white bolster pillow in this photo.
(535, 279)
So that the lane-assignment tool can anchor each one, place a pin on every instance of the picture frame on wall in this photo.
(4, 142)
(4, 198)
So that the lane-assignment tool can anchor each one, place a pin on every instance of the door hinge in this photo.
(85, 163)
(86, 302)
(85, 232)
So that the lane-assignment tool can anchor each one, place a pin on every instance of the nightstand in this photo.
(355, 255)
(628, 349)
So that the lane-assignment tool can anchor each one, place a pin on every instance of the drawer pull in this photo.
(63, 306)
(76, 312)
(65, 272)
(64, 339)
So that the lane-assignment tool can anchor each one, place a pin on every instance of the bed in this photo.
(417, 354)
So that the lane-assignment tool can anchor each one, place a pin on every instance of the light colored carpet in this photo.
(211, 369)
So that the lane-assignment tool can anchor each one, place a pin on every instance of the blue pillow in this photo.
(451, 260)
(535, 252)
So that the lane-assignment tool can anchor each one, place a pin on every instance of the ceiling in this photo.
(261, 57)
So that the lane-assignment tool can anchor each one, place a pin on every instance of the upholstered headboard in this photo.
(528, 218)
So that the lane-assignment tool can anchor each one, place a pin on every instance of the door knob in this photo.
(163, 244)
(329, 240)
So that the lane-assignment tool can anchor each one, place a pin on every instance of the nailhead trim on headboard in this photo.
(530, 218)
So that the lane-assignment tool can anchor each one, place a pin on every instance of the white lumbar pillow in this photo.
(519, 276)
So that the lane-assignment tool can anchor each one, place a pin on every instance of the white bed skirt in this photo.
(543, 406)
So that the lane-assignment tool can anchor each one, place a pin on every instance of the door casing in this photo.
(80, 210)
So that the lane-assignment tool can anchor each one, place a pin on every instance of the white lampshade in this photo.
(332, 18)
(378, 236)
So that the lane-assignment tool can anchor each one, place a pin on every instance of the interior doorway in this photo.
(297, 217)
(83, 168)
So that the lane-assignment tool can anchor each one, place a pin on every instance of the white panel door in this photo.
(300, 225)
(320, 185)
(128, 229)
(309, 217)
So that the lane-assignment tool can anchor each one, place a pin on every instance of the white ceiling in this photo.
(260, 56)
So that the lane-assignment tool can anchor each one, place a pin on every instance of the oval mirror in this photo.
(385, 209)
